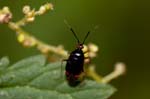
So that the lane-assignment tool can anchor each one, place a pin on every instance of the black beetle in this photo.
(74, 67)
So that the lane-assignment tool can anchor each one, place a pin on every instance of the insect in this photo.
(74, 66)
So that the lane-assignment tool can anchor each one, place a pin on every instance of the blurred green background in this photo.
(123, 35)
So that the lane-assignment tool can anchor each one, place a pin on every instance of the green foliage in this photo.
(31, 78)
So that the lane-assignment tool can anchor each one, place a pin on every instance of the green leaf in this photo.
(4, 62)
(31, 78)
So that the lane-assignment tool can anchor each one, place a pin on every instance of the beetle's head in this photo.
(80, 46)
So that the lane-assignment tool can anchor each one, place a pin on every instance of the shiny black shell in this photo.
(74, 67)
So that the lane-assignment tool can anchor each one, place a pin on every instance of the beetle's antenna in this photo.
(86, 37)
(96, 27)
(72, 31)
